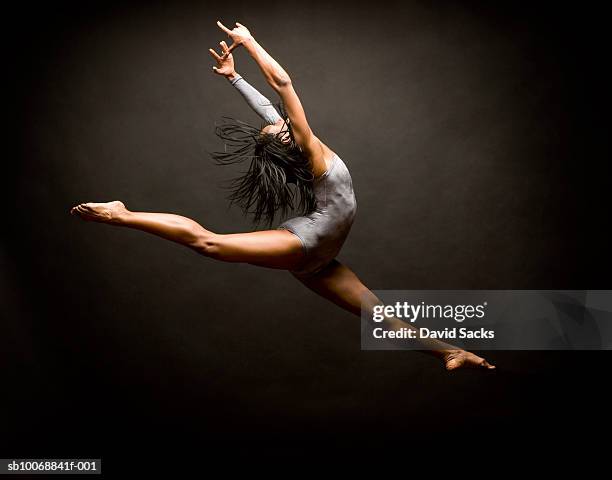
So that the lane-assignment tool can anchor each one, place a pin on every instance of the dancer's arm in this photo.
(258, 102)
(280, 81)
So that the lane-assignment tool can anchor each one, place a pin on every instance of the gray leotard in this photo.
(323, 231)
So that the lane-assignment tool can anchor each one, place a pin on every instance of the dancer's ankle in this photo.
(121, 218)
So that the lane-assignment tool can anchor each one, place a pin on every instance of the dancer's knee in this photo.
(209, 244)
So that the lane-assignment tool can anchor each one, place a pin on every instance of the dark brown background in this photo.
(477, 138)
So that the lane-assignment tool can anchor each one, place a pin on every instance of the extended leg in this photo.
(341, 286)
(267, 248)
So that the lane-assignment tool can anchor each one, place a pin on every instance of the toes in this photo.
(468, 360)
(74, 208)
(486, 365)
(452, 364)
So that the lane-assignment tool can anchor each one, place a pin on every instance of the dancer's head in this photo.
(279, 177)
(280, 129)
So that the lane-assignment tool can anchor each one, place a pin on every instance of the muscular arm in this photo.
(275, 75)
(280, 81)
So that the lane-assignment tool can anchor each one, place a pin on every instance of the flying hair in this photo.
(279, 178)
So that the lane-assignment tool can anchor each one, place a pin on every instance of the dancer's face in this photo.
(276, 128)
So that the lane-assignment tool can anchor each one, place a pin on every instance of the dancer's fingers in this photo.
(225, 50)
(214, 54)
(223, 27)
(240, 25)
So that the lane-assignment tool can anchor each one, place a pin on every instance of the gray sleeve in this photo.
(260, 104)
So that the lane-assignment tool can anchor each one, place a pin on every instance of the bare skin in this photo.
(278, 249)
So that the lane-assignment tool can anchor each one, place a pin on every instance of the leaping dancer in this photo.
(290, 168)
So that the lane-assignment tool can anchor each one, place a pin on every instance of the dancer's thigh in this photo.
(266, 248)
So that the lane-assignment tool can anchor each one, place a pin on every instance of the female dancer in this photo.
(287, 160)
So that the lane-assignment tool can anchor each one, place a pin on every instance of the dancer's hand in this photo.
(239, 34)
(225, 61)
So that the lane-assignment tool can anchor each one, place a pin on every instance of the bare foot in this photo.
(108, 212)
(455, 359)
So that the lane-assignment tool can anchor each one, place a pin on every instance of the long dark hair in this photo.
(279, 177)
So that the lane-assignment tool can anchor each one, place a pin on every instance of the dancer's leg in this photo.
(341, 286)
(267, 248)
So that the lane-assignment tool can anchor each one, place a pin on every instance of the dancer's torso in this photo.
(324, 231)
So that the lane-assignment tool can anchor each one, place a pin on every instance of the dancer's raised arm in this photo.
(280, 81)
(255, 99)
